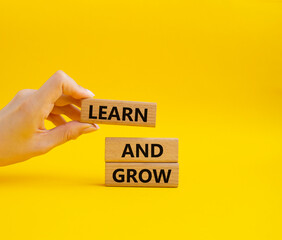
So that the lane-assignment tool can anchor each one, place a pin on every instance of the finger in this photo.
(66, 132)
(66, 99)
(69, 110)
(57, 120)
(41, 125)
(60, 83)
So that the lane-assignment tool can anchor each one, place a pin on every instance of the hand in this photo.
(22, 131)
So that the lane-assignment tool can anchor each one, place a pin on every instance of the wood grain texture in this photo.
(152, 174)
(118, 112)
(128, 149)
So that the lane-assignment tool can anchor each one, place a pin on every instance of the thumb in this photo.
(68, 131)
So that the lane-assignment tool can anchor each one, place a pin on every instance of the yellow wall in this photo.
(213, 67)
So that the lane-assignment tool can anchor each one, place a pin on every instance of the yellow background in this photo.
(214, 69)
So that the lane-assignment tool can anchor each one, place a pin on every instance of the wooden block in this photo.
(118, 112)
(142, 174)
(141, 150)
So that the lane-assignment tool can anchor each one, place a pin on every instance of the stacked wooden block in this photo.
(142, 162)
(118, 112)
(151, 162)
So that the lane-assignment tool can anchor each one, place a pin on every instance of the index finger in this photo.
(58, 84)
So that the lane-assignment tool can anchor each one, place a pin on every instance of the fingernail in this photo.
(90, 93)
(90, 129)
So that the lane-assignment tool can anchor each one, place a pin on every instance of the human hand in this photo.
(22, 131)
